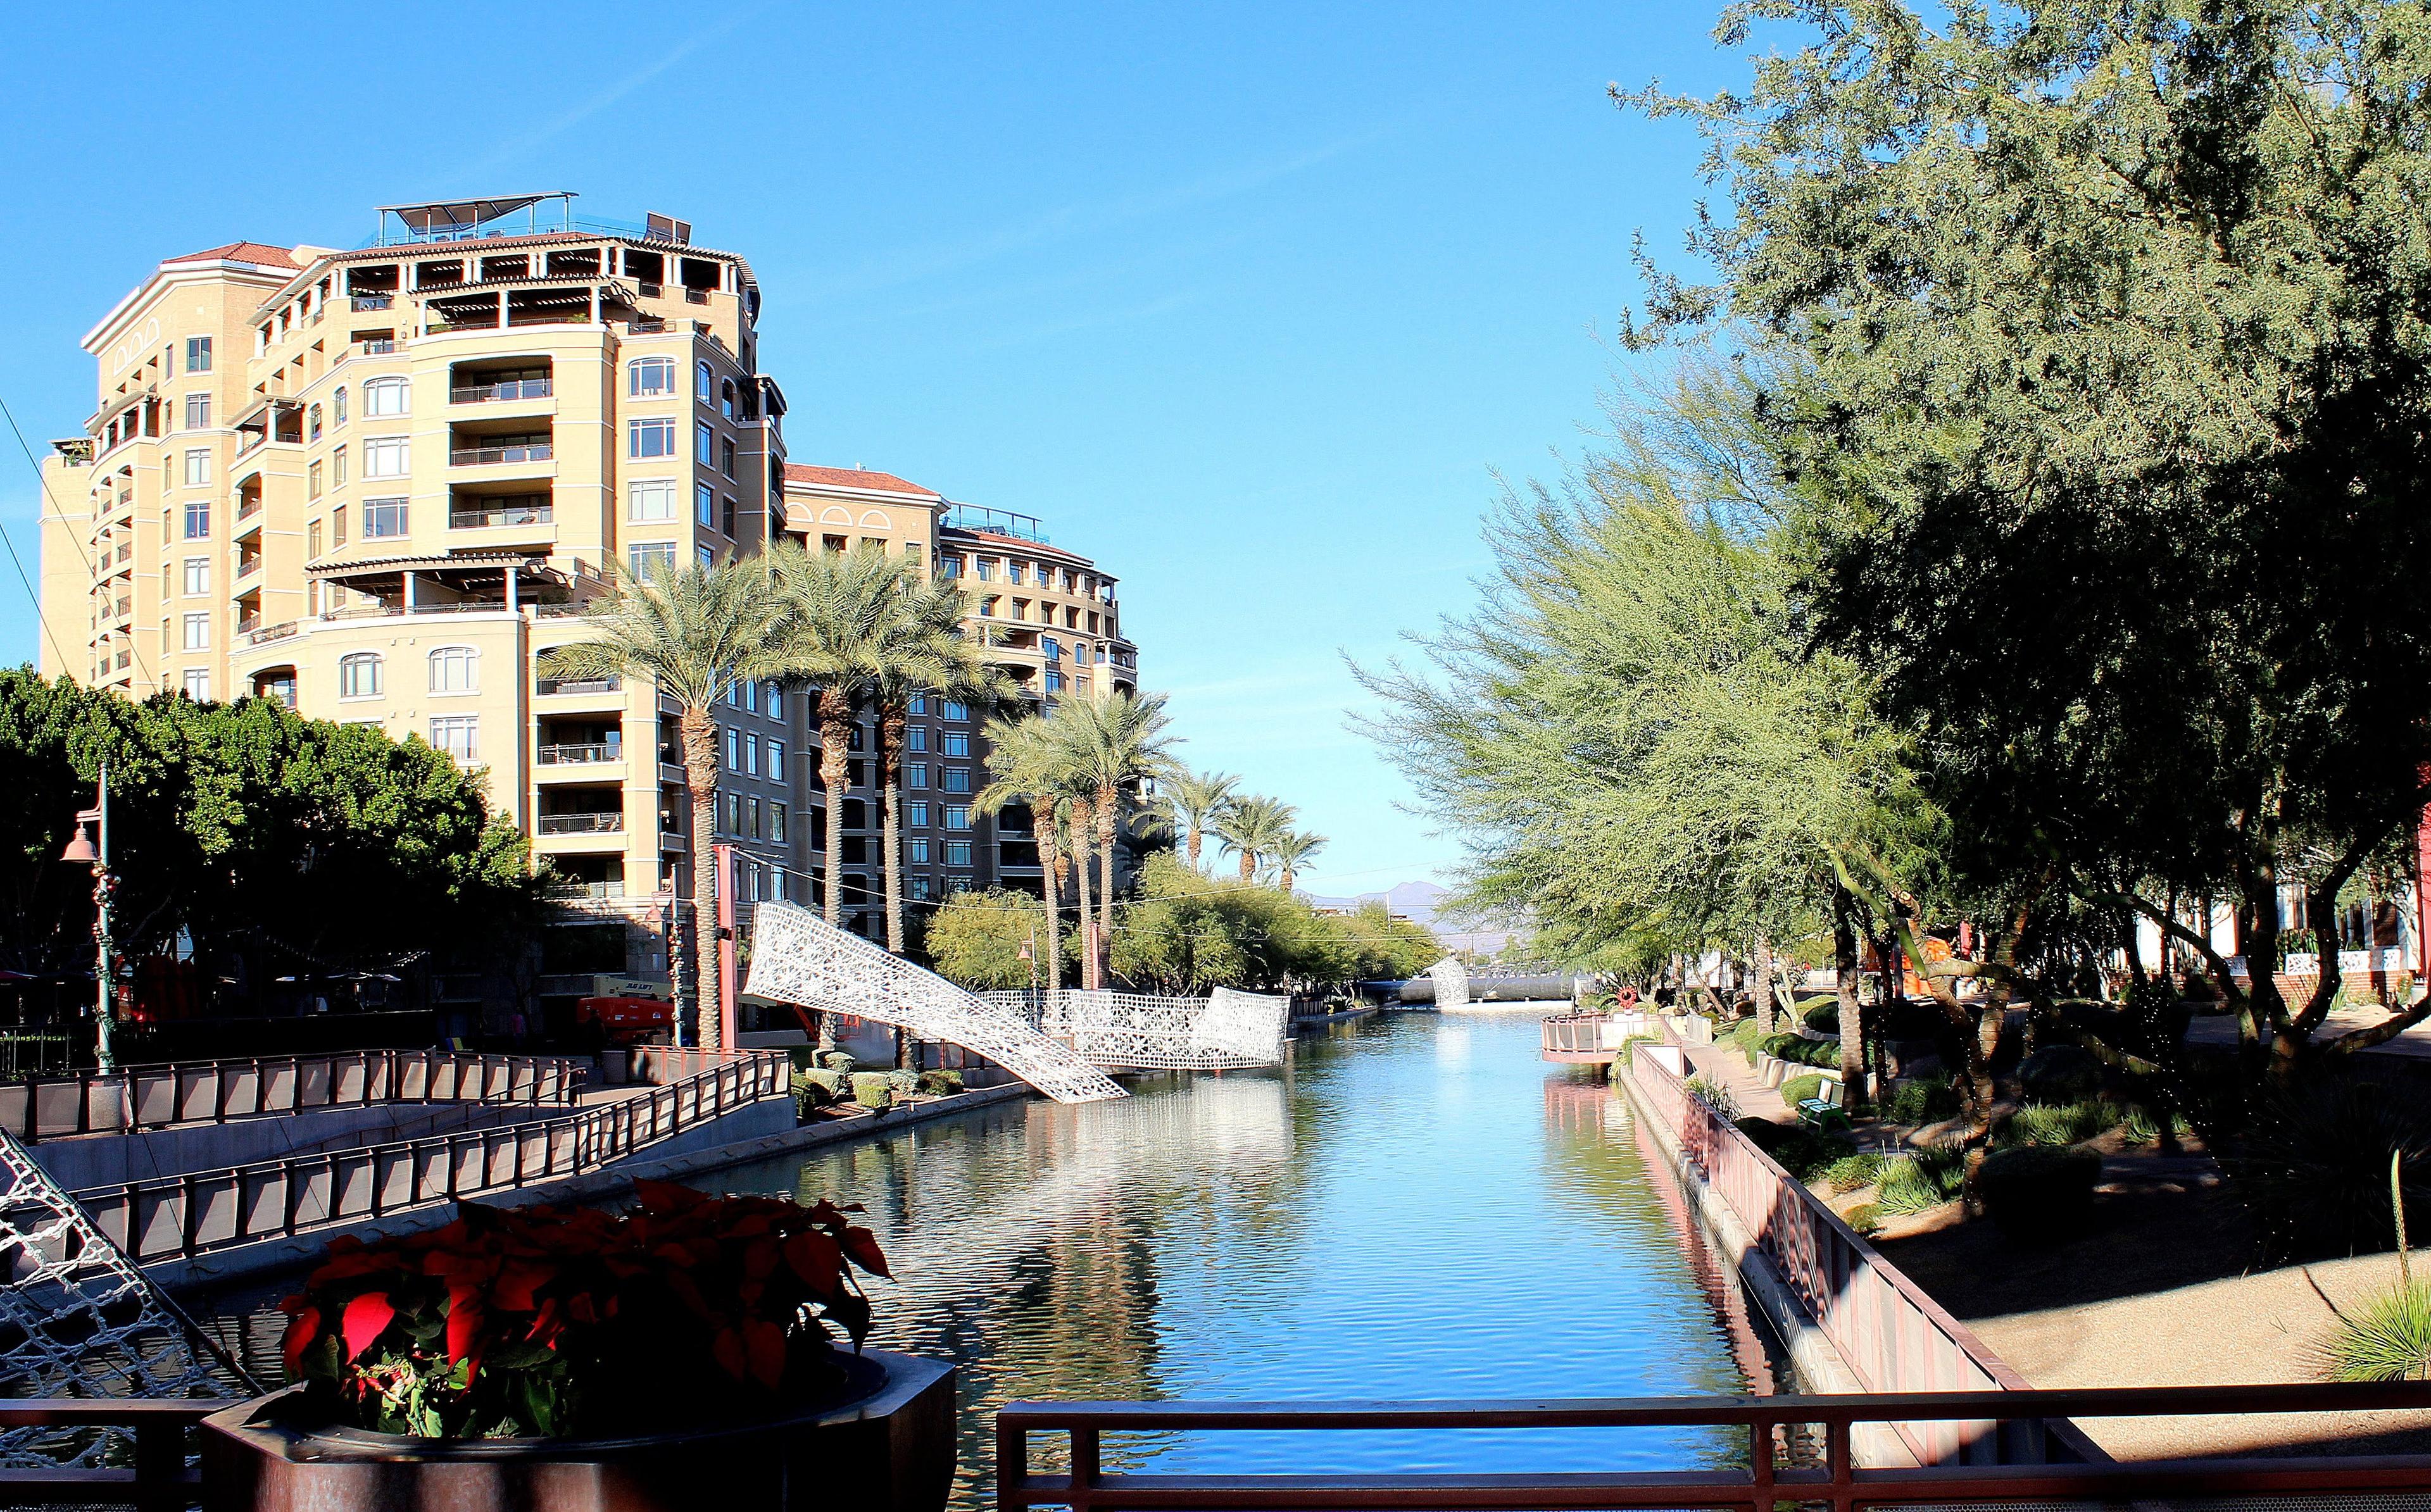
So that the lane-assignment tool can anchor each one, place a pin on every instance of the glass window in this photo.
(916, 850)
(733, 751)
(704, 443)
(915, 739)
(777, 821)
(651, 499)
(388, 457)
(726, 458)
(958, 853)
(338, 526)
(313, 541)
(918, 705)
(749, 694)
(916, 775)
(955, 711)
(776, 758)
(987, 608)
(949, 566)
(912, 550)
(752, 756)
(1013, 573)
(775, 702)
(457, 734)
(198, 519)
(383, 518)
(650, 376)
(384, 396)
(313, 481)
(358, 675)
(198, 685)
(198, 468)
(198, 354)
(312, 424)
(198, 411)
(704, 385)
(198, 576)
(917, 812)
(958, 779)
(708, 555)
(647, 556)
(198, 632)
(958, 816)
(704, 504)
(758, 820)
(987, 569)
(338, 407)
(922, 888)
(1054, 682)
(646, 438)
(455, 669)
(958, 742)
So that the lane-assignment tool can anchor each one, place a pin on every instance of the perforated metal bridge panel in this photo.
(797, 956)
(1452, 983)
(78, 1320)
(1139, 1031)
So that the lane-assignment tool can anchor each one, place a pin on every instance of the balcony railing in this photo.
(553, 687)
(248, 568)
(363, 303)
(520, 514)
(612, 888)
(490, 455)
(474, 393)
(380, 347)
(270, 632)
(579, 755)
(613, 823)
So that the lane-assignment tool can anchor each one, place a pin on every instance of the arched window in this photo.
(648, 378)
(384, 396)
(455, 669)
(775, 702)
(358, 675)
(704, 384)
(313, 420)
(338, 407)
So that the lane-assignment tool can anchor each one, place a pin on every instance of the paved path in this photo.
(2220, 1029)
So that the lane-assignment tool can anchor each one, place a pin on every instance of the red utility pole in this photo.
(725, 943)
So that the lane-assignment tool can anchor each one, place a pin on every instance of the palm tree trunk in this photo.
(1191, 846)
(1051, 859)
(699, 734)
(1764, 1016)
(1108, 806)
(1287, 877)
(1081, 887)
(1852, 1023)
(891, 721)
(1249, 866)
(835, 738)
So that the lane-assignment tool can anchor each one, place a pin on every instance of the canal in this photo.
(1414, 1206)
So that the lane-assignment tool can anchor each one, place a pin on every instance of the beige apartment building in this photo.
(376, 484)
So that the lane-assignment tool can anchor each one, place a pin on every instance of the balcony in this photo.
(268, 634)
(377, 346)
(507, 449)
(480, 393)
(604, 824)
(576, 687)
(462, 518)
(363, 304)
(581, 755)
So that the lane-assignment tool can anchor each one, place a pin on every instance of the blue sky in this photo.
(1250, 302)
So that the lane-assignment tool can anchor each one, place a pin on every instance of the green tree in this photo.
(1194, 801)
(1291, 853)
(1026, 766)
(1251, 827)
(2112, 365)
(696, 633)
(977, 938)
(1114, 745)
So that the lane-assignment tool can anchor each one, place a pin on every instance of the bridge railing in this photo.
(172, 1217)
(1226, 1029)
(176, 1094)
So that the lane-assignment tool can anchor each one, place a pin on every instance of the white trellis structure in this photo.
(1452, 983)
(78, 1320)
(797, 956)
(1138, 1030)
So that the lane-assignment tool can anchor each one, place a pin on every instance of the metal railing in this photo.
(609, 823)
(1573, 1033)
(556, 686)
(173, 1218)
(491, 455)
(1894, 1336)
(381, 346)
(159, 1479)
(363, 304)
(579, 755)
(521, 514)
(1776, 1474)
(474, 393)
(181, 1093)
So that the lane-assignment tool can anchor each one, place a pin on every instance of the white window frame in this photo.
(198, 467)
(650, 501)
(198, 576)
(375, 396)
(349, 663)
(662, 369)
(198, 685)
(371, 517)
(197, 632)
(660, 426)
(468, 657)
(468, 724)
(379, 449)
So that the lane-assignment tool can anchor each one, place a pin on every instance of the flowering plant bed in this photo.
(556, 1321)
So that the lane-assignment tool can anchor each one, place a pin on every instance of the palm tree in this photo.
(698, 633)
(1115, 744)
(1196, 799)
(843, 608)
(1253, 827)
(923, 651)
(1292, 852)
(1026, 767)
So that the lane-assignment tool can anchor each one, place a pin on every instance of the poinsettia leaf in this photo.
(862, 1246)
(367, 1316)
(726, 1348)
(302, 1329)
(764, 1342)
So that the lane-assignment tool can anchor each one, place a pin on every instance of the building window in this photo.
(313, 481)
(776, 813)
(198, 354)
(651, 499)
(338, 467)
(198, 576)
(917, 703)
(957, 742)
(955, 711)
(389, 457)
(383, 519)
(958, 816)
(750, 754)
(198, 632)
(958, 853)
(726, 517)
(987, 569)
(647, 556)
(915, 739)
(704, 386)
(704, 506)
(455, 669)
(198, 411)
(649, 377)
(198, 519)
(198, 685)
(313, 541)
(733, 751)
(338, 407)
(958, 779)
(384, 396)
(987, 608)
(704, 443)
(915, 850)
(312, 424)
(726, 459)
(708, 555)
(950, 567)
(916, 775)
(646, 438)
(358, 675)
(1054, 682)
(758, 820)
(457, 735)
(198, 468)
(776, 758)
(922, 888)
(916, 813)
(338, 526)
(1012, 574)
(775, 702)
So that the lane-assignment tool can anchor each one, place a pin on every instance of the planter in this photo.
(888, 1450)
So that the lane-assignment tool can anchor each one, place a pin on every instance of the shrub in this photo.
(1823, 1017)
(2038, 1191)
(1920, 1100)
(2388, 1340)
(1851, 1173)
(1714, 1095)
(1749, 1036)
(873, 1089)
(2142, 1128)
(941, 1083)
(2314, 1160)
(902, 1083)
(838, 1061)
(1799, 1089)
(1799, 1150)
(2041, 1123)
(2060, 1073)
(1921, 1181)
(1866, 1218)
(1629, 1046)
(809, 1097)
(829, 1082)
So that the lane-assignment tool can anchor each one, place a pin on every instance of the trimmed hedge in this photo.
(1799, 1089)
(872, 1090)
(941, 1083)
(831, 1082)
(2038, 1191)
(902, 1083)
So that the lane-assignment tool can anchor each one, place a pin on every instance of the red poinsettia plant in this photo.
(558, 1320)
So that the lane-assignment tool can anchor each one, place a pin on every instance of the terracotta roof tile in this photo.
(252, 252)
(851, 477)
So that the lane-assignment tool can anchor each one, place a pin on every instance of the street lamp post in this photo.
(91, 846)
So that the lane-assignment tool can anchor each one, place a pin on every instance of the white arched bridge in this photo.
(1062, 1043)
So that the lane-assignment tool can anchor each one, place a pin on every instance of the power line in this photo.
(43, 486)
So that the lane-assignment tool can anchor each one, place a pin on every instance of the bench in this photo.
(1822, 1113)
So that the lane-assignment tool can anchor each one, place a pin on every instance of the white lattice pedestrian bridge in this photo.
(1062, 1043)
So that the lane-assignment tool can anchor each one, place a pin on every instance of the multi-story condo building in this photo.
(377, 484)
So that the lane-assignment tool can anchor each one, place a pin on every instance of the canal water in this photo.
(1415, 1206)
